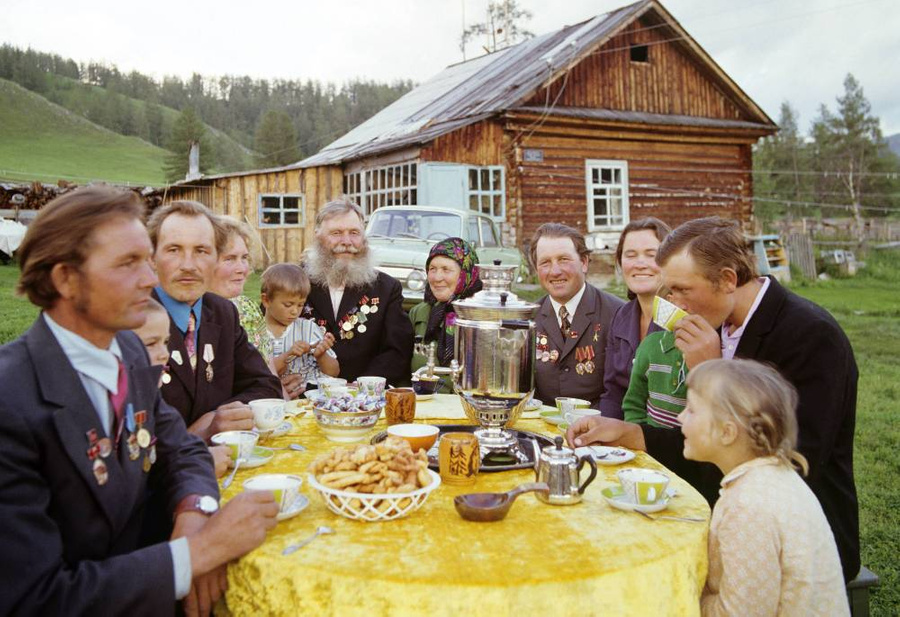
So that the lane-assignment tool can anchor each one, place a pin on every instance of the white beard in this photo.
(326, 269)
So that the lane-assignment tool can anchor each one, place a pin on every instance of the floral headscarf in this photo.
(441, 321)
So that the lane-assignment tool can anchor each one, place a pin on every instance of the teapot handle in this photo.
(589, 460)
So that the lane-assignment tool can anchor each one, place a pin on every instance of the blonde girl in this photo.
(771, 550)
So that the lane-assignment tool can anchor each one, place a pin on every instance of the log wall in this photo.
(238, 196)
(671, 82)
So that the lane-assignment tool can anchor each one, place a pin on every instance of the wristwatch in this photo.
(204, 504)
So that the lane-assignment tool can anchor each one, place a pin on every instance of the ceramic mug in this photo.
(459, 458)
(371, 386)
(267, 412)
(400, 405)
(284, 486)
(643, 486)
(240, 443)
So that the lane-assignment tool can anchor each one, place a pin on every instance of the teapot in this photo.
(560, 468)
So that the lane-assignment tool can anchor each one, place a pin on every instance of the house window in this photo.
(391, 185)
(640, 53)
(607, 194)
(486, 191)
(281, 210)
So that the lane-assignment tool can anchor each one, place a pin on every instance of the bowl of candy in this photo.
(348, 418)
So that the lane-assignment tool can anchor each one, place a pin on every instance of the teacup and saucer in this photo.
(642, 490)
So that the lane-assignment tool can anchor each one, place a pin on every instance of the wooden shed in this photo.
(615, 118)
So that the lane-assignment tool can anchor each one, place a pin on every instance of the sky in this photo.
(776, 50)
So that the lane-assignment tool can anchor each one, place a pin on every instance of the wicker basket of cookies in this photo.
(379, 482)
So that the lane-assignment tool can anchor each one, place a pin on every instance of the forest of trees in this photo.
(238, 106)
(842, 167)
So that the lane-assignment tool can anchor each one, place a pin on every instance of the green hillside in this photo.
(43, 141)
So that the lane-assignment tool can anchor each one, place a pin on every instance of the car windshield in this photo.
(414, 224)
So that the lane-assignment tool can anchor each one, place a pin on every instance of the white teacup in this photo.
(333, 387)
(578, 413)
(285, 487)
(241, 443)
(643, 486)
(371, 386)
(267, 412)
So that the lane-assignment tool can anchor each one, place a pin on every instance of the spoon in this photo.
(489, 507)
(228, 480)
(323, 530)
(294, 446)
(688, 519)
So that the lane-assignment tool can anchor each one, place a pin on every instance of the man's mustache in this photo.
(345, 248)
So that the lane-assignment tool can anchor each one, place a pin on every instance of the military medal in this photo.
(347, 326)
(166, 378)
(361, 329)
(597, 329)
(374, 308)
(104, 447)
(348, 335)
(152, 453)
(143, 437)
(176, 357)
(147, 463)
(134, 450)
(580, 357)
(554, 355)
(101, 473)
(208, 357)
(543, 340)
(365, 309)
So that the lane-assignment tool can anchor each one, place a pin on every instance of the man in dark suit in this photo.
(712, 274)
(215, 371)
(573, 320)
(360, 306)
(84, 434)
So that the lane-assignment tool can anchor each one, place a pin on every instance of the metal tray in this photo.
(526, 447)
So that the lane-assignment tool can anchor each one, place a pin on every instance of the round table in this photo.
(558, 560)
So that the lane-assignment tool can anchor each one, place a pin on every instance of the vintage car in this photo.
(400, 238)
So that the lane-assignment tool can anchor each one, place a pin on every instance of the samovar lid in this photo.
(495, 300)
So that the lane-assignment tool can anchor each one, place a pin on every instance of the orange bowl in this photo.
(419, 436)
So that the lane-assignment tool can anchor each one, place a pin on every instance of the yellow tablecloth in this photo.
(587, 559)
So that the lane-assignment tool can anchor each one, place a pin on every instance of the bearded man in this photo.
(360, 306)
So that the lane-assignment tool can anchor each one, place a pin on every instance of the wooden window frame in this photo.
(479, 192)
(386, 185)
(280, 211)
(622, 166)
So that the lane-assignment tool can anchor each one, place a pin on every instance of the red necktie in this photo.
(190, 344)
(117, 400)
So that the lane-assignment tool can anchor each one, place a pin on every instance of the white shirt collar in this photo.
(571, 305)
(101, 365)
(736, 334)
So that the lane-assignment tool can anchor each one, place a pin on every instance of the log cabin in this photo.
(619, 117)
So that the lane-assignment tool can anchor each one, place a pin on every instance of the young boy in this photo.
(154, 334)
(299, 346)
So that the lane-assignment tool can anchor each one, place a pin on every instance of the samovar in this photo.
(493, 368)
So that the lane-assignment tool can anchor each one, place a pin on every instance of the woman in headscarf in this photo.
(452, 275)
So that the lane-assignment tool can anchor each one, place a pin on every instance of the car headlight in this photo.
(416, 280)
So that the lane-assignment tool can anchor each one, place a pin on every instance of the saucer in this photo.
(296, 508)
(615, 496)
(533, 404)
(424, 397)
(261, 455)
(606, 455)
(551, 417)
(282, 429)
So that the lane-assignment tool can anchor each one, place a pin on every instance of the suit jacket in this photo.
(808, 347)
(622, 341)
(590, 326)
(70, 545)
(239, 371)
(385, 347)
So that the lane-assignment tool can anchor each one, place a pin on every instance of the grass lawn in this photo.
(868, 308)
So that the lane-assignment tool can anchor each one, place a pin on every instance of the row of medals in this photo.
(100, 448)
(357, 320)
(584, 355)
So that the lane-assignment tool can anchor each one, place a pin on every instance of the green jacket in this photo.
(657, 392)
(419, 315)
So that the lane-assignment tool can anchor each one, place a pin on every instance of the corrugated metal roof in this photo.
(643, 117)
(470, 91)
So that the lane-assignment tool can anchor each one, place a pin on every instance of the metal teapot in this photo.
(560, 468)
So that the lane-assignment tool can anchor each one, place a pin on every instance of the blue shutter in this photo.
(443, 185)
